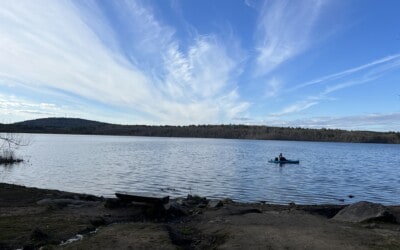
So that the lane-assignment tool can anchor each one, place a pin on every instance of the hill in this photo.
(81, 126)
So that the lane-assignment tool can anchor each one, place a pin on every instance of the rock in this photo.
(215, 204)
(177, 210)
(88, 197)
(328, 211)
(227, 201)
(195, 199)
(38, 235)
(364, 211)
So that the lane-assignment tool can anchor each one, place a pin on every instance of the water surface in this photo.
(239, 169)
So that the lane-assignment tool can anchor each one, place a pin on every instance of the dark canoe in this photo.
(142, 197)
(285, 161)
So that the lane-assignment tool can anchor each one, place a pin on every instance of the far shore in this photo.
(32, 218)
(62, 125)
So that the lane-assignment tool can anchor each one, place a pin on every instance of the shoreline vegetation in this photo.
(8, 160)
(32, 218)
(87, 127)
(8, 157)
(8, 144)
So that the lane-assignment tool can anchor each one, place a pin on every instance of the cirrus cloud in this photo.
(77, 48)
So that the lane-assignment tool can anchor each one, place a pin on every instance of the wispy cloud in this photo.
(296, 107)
(356, 76)
(273, 87)
(284, 31)
(339, 81)
(250, 3)
(380, 65)
(374, 122)
(120, 55)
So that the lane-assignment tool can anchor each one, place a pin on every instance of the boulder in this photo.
(364, 211)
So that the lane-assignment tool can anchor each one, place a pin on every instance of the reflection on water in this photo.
(239, 169)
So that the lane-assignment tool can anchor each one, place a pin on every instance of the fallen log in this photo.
(150, 198)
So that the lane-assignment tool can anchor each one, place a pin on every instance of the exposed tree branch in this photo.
(12, 140)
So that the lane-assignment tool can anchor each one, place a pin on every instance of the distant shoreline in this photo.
(251, 132)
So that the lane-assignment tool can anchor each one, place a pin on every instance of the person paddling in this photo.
(281, 158)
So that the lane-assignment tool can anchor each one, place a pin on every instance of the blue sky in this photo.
(303, 63)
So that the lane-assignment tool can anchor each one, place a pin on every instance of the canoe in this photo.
(285, 161)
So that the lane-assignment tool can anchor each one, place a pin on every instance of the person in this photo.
(281, 158)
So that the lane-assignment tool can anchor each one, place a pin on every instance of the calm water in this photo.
(239, 169)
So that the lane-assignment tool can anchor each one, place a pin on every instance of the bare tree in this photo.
(9, 142)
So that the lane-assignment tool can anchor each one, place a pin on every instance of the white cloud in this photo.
(55, 45)
(16, 107)
(284, 31)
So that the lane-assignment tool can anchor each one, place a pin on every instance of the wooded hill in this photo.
(81, 126)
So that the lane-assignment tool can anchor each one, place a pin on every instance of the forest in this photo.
(81, 126)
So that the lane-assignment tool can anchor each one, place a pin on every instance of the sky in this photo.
(291, 63)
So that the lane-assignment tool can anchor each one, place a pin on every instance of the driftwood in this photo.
(150, 198)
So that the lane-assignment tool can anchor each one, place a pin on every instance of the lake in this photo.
(215, 168)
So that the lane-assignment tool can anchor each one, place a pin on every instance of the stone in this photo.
(195, 199)
(177, 210)
(215, 204)
(364, 211)
(227, 201)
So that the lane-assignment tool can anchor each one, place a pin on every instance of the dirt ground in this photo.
(33, 218)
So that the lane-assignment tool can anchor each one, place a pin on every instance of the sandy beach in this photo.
(32, 218)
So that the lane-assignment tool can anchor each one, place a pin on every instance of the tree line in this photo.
(80, 126)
